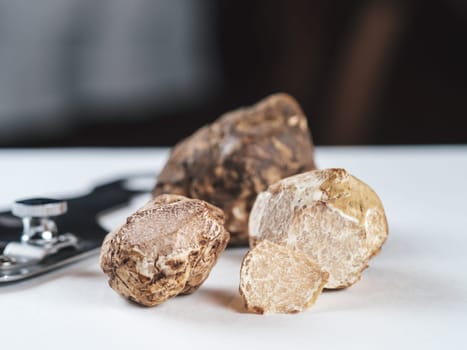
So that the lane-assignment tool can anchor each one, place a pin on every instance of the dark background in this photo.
(365, 72)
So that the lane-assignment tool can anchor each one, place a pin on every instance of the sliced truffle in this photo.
(278, 279)
(230, 161)
(166, 248)
(330, 215)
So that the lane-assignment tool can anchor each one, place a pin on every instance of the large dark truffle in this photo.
(230, 161)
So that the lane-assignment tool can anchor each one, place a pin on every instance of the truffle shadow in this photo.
(223, 298)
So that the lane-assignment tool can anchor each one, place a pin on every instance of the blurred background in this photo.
(150, 72)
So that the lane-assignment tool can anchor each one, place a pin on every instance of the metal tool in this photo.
(42, 234)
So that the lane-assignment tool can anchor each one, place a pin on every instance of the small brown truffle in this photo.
(278, 279)
(330, 215)
(166, 248)
(230, 161)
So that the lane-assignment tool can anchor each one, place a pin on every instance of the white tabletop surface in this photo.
(414, 295)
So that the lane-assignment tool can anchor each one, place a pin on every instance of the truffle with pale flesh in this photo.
(330, 215)
(278, 279)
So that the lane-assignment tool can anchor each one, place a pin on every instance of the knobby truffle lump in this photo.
(166, 248)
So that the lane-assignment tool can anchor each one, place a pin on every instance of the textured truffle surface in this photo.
(230, 161)
(166, 248)
(278, 279)
(330, 215)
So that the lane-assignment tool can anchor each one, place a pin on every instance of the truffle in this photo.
(279, 279)
(228, 162)
(166, 248)
(330, 215)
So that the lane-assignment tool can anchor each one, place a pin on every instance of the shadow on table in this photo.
(229, 299)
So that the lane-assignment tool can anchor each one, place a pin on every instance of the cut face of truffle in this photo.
(230, 161)
(166, 248)
(278, 279)
(330, 215)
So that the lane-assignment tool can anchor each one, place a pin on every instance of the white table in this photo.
(414, 295)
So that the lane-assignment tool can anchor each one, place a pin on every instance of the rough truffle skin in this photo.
(330, 215)
(229, 162)
(166, 248)
(278, 279)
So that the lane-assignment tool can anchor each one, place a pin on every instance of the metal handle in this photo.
(39, 207)
(36, 213)
(40, 237)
